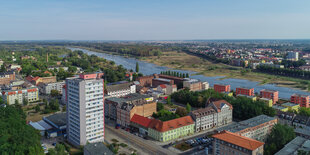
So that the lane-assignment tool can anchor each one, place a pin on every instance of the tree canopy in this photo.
(16, 137)
(279, 136)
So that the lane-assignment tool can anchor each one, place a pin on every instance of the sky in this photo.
(154, 19)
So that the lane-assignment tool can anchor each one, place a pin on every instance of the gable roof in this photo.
(143, 121)
(220, 103)
(172, 124)
(238, 140)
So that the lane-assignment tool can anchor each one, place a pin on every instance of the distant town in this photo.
(55, 100)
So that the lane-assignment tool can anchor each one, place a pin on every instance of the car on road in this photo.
(54, 144)
(117, 126)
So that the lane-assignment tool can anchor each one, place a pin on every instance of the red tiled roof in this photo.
(219, 102)
(238, 140)
(163, 86)
(144, 121)
(29, 78)
(35, 78)
(172, 124)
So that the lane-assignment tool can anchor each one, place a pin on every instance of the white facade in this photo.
(121, 90)
(45, 88)
(85, 110)
(293, 56)
(31, 94)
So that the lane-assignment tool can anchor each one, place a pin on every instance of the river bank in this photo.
(150, 68)
(183, 61)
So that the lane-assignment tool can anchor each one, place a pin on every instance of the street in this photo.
(145, 145)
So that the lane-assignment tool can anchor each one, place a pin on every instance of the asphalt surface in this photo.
(143, 144)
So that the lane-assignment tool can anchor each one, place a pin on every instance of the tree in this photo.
(181, 111)
(2, 69)
(304, 111)
(54, 93)
(169, 100)
(137, 67)
(160, 106)
(188, 107)
(16, 137)
(37, 108)
(187, 75)
(279, 136)
(25, 101)
(16, 102)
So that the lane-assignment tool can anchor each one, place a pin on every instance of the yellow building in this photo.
(268, 101)
(291, 106)
(229, 93)
(280, 108)
(253, 98)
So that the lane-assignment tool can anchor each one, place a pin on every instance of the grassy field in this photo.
(184, 61)
(180, 60)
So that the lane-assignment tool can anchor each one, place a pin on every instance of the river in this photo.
(149, 68)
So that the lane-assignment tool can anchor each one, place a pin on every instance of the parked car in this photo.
(117, 126)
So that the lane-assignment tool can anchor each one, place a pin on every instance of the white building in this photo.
(293, 56)
(167, 89)
(30, 94)
(85, 109)
(119, 90)
(45, 88)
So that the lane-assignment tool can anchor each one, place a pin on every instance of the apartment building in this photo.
(223, 110)
(256, 128)
(221, 88)
(215, 114)
(245, 91)
(46, 88)
(31, 94)
(204, 118)
(122, 89)
(158, 81)
(302, 100)
(85, 109)
(270, 94)
(145, 81)
(195, 85)
(167, 89)
(172, 129)
(226, 142)
(292, 56)
(122, 109)
(36, 80)
(7, 77)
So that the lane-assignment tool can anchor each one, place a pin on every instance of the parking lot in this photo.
(201, 143)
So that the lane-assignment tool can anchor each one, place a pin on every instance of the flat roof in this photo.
(290, 104)
(298, 143)
(97, 149)
(252, 122)
(278, 107)
(57, 120)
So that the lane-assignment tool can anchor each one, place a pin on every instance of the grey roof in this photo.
(286, 115)
(299, 143)
(301, 119)
(57, 120)
(252, 122)
(97, 149)
(302, 131)
(118, 87)
(128, 98)
(289, 104)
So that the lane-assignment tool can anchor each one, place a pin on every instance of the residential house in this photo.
(258, 127)
(226, 142)
(169, 130)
